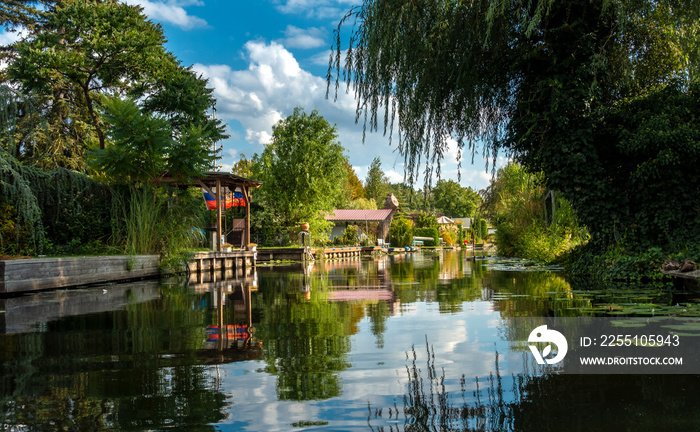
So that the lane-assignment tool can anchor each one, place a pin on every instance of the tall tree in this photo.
(303, 171)
(355, 188)
(408, 197)
(243, 167)
(80, 49)
(450, 198)
(376, 183)
(535, 79)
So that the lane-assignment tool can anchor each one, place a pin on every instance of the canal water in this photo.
(414, 342)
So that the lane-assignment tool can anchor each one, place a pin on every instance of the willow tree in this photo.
(536, 80)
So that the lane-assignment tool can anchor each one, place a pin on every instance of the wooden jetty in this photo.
(281, 254)
(340, 252)
(35, 274)
(299, 254)
(211, 266)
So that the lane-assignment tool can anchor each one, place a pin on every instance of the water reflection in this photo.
(127, 362)
(423, 339)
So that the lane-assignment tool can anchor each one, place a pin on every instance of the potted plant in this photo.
(226, 247)
(252, 246)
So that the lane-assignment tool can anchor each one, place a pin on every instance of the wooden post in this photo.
(246, 237)
(218, 215)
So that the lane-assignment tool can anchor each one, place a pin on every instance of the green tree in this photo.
(243, 167)
(142, 148)
(426, 220)
(409, 198)
(535, 79)
(362, 204)
(517, 203)
(15, 13)
(303, 171)
(77, 50)
(376, 183)
(355, 189)
(454, 200)
(183, 98)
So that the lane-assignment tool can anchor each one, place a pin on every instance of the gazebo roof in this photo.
(209, 178)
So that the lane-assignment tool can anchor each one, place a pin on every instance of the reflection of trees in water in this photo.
(378, 315)
(445, 279)
(546, 403)
(125, 369)
(306, 338)
(532, 294)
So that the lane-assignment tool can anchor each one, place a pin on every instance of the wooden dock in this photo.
(213, 266)
(340, 252)
(281, 254)
(36, 274)
(298, 254)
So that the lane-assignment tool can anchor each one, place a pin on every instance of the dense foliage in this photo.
(77, 52)
(428, 232)
(58, 211)
(304, 173)
(454, 200)
(400, 232)
(531, 221)
(70, 87)
(425, 220)
(598, 96)
(143, 149)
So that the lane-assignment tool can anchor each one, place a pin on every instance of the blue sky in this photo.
(265, 57)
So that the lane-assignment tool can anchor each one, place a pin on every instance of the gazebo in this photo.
(444, 220)
(220, 185)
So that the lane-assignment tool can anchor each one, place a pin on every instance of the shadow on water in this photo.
(525, 402)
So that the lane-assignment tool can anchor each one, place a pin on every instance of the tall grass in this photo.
(156, 223)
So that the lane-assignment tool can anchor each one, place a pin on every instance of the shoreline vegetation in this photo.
(605, 142)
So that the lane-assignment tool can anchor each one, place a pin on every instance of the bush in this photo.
(426, 220)
(351, 236)
(428, 232)
(623, 266)
(447, 238)
(401, 232)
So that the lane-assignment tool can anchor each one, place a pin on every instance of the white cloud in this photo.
(394, 176)
(8, 38)
(296, 37)
(322, 9)
(274, 84)
(171, 11)
(260, 96)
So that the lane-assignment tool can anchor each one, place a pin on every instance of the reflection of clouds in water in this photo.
(253, 398)
(463, 343)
